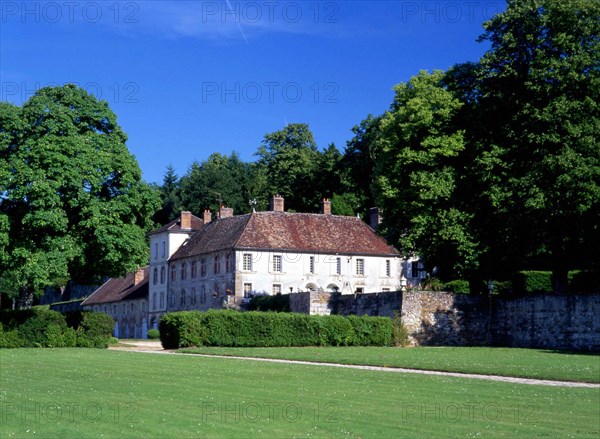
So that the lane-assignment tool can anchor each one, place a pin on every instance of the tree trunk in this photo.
(25, 299)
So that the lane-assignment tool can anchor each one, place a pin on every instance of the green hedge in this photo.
(50, 329)
(259, 329)
(532, 282)
(458, 286)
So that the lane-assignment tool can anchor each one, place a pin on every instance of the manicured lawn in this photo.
(524, 363)
(78, 393)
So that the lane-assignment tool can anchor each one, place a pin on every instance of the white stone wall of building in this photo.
(130, 316)
(306, 271)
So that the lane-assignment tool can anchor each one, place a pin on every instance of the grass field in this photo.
(77, 393)
(524, 363)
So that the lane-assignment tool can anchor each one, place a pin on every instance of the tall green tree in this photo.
(537, 94)
(222, 180)
(73, 204)
(416, 177)
(290, 159)
(169, 194)
(358, 166)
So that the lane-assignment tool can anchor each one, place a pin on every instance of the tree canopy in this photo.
(73, 203)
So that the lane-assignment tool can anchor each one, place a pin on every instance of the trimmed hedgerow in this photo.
(49, 329)
(259, 329)
(532, 282)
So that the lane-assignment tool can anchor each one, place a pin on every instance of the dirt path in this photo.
(156, 348)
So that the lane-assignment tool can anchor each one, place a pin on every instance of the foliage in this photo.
(433, 284)
(233, 328)
(181, 329)
(223, 180)
(95, 330)
(71, 193)
(153, 334)
(290, 161)
(277, 303)
(415, 178)
(45, 328)
(400, 336)
(169, 194)
(530, 282)
(459, 286)
(535, 129)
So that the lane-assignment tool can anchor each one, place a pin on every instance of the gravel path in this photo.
(155, 348)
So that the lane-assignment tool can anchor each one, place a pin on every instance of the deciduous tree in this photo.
(73, 203)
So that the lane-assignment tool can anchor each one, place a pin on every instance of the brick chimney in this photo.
(374, 217)
(276, 203)
(138, 276)
(206, 216)
(225, 212)
(326, 206)
(186, 220)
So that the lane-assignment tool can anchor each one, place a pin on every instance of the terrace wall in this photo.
(439, 318)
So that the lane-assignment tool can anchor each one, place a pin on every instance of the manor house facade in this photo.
(203, 263)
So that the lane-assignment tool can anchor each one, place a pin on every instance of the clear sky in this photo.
(189, 78)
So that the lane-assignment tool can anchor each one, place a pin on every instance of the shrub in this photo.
(400, 333)
(458, 286)
(10, 339)
(181, 329)
(36, 327)
(95, 330)
(532, 282)
(277, 303)
(153, 334)
(260, 329)
(433, 284)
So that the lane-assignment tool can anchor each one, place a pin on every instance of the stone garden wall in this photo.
(438, 318)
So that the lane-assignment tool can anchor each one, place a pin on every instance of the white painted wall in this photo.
(296, 274)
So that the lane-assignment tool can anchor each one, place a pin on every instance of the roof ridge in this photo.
(250, 216)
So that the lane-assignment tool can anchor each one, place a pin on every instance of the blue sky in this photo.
(188, 78)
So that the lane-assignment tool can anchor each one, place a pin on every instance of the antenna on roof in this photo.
(252, 203)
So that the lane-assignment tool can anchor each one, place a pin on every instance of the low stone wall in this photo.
(438, 318)
(545, 321)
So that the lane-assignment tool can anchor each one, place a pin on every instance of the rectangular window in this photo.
(247, 290)
(385, 290)
(277, 264)
(247, 263)
(276, 289)
(202, 294)
(360, 267)
(338, 266)
(164, 249)
(162, 300)
(156, 250)
(194, 265)
(173, 273)
(154, 301)
(162, 275)
(193, 296)
(388, 268)
(311, 264)
(360, 290)
(203, 267)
